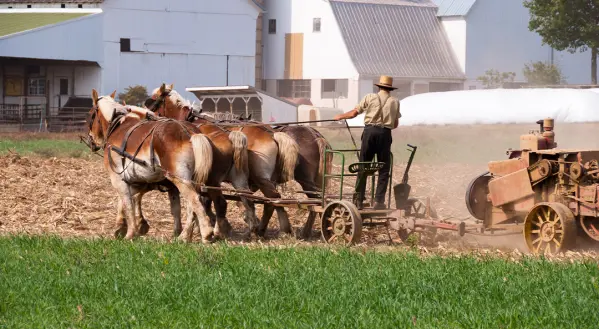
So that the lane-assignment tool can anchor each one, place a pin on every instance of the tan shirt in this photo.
(374, 115)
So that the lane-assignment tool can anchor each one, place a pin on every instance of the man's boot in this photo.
(379, 205)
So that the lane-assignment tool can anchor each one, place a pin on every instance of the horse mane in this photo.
(107, 105)
(181, 102)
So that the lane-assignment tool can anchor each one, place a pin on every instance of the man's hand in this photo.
(348, 115)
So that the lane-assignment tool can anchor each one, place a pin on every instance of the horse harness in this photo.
(115, 123)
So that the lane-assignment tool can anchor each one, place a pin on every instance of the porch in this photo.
(45, 95)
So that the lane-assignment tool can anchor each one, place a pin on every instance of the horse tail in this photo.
(240, 147)
(288, 155)
(322, 146)
(202, 154)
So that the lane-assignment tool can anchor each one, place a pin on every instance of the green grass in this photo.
(44, 147)
(53, 283)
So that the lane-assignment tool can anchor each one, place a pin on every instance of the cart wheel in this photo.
(590, 226)
(417, 209)
(341, 222)
(549, 228)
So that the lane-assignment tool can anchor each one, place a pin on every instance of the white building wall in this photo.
(455, 28)
(325, 53)
(498, 38)
(185, 42)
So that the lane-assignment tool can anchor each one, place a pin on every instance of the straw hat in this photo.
(385, 82)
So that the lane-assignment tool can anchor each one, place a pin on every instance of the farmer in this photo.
(381, 114)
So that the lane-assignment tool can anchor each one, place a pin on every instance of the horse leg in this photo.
(240, 181)
(127, 193)
(207, 202)
(144, 227)
(121, 224)
(306, 185)
(175, 201)
(266, 215)
(269, 190)
(222, 228)
(195, 207)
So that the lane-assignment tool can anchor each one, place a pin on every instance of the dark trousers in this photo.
(376, 140)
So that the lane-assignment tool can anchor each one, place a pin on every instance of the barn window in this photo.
(79, 6)
(334, 88)
(272, 26)
(62, 5)
(28, 6)
(64, 86)
(294, 88)
(125, 44)
(316, 25)
(37, 86)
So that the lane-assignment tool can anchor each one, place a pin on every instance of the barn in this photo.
(53, 52)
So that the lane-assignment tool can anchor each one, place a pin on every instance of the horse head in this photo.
(98, 120)
(167, 102)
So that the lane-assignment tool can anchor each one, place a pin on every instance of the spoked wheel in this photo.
(549, 228)
(341, 223)
(590, 225)
(417, 209)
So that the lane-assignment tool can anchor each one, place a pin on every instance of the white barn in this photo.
(53, 52)
(492, 34)
(331, 52)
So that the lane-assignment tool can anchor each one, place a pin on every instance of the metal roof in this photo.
(11, 23)
(454, 7)
(402, 39)
(233, 92)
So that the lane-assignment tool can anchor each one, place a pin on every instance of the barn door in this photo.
(294, 55)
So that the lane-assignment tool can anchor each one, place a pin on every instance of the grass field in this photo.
(55, 283)
(45, 145)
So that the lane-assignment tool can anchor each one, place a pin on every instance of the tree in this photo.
(495, 79)
(134, 95)
(541, 73)
(571, 25)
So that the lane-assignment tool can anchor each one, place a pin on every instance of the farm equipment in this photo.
(548, 194)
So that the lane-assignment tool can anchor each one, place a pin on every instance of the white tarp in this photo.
(500, 106)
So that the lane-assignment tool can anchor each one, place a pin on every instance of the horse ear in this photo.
(124, 102)
(162, 88)
(113, 94)
(249, 117)
(241, 117)
(171, 87)
(95, 97)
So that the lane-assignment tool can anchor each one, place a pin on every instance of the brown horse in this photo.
(272, 155)
(150, 152)
(309, 172)
(167, 144)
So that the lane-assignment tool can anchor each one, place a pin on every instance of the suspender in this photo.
(380, 111)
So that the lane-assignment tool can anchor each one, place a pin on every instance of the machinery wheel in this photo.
(549, 228)
(476, 196)
(417, 209)
(590, 226)
(341, 222)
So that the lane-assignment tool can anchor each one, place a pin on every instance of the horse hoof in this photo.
(121, 232)
(144, 228)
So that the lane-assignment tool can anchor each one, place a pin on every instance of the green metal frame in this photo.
(343, 174)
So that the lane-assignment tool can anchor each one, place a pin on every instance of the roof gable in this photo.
(11, 23)
(454, 7)
(402, 39)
